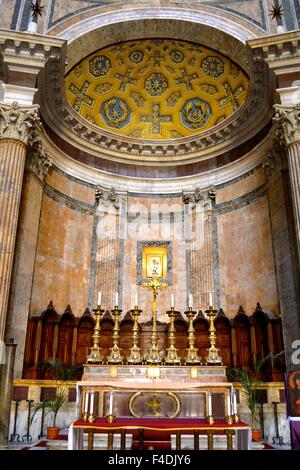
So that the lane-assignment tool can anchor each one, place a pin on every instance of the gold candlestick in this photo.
(154, 356)
(95, 354)
(192, 354)
(115, 356)
(135, 351)
(213, 353)
(172, 354)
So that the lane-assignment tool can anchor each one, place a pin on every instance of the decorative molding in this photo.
(38, 161)
(19, 123)
(104, 198)
(274, 162)
(203, 197)
(289, 118)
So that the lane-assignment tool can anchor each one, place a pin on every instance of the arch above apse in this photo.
(206, 25)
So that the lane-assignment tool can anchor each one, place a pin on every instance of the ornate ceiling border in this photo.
(244, 123)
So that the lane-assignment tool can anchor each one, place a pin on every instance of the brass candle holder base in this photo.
(210, 420)
(229, 420)
(172, 356)
(91, 418)
(192, 356)
(236, 418)
(115, 355)
(135, 355)
(85, 416)
(213, 357)
(110, 419)
(154, 355)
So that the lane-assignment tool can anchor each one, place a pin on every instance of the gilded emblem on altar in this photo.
(195, 113)
(115, 113)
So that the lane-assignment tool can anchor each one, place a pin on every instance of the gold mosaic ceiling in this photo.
(156, 88)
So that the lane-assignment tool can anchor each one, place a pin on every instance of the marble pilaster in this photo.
(18, 126)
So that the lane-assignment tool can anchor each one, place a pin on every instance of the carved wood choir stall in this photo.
(241, 340)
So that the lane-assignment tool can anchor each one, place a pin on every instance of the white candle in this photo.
(228, 405)
(92, 403)
(209, 404)
(190, 301)
(99, 298)
(234, 404)
(172, 301)
(86, 403)
(110, 403)
(117, 299)
(136, 300)
(210, 299)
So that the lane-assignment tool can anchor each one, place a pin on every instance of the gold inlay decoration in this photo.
(156, 89)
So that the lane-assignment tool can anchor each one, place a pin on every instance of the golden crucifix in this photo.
(155, 284)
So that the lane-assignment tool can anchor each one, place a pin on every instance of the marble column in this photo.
(18, 127)
(36, 166)
(6, 387)
(287, 115)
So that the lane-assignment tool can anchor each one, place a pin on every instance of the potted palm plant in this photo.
(52, 406)
(250, 381)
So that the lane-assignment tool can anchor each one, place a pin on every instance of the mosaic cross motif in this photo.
(231, 96)
(155, 118)
(125, 79)
(156, 59)
(186, 79)
(81, 95)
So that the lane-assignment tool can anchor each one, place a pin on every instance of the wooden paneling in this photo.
(70, 339)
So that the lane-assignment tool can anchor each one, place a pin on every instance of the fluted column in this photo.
(288, 116)
(36, 166)
(18, 126)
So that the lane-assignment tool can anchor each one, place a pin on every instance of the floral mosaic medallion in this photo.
(156, 84)
(212, 67)
(99, 66)
(115, 113)
(195, 113)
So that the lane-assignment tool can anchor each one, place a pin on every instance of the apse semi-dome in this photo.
(156, 89)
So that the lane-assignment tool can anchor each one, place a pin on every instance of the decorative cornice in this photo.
(289, 118)
(202, 197)
(105, 199)
(280, 51)
(25, 52)
(19, 123)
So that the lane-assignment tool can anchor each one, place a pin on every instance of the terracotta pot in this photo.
(256, 435)
(52, 433)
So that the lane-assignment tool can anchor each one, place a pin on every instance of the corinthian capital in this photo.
(18, 122)
(289, 118)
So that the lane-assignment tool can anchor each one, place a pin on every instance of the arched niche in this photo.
(260, 321)
(181, 336)
(241, 326)
(50, 321)
(222, 325)
(65, 337)
(125, 342)
(201, 333)
(85, 329)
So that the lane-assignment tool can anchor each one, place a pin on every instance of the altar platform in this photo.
(238, 435)
(181, 390)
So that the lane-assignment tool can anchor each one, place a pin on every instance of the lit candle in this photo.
(234, 404)
(209, 404)
(228, 405)
(92, 403)
(210, 299)
(86, 403)
(117, 299)
(99, 298)
(110, 403)
(172, 301)
(190, 301)
(136, 300)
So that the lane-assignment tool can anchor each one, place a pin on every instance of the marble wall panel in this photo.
(246, 263)
(68, 185)
(241, 186)
(62, 270)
